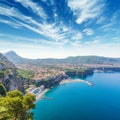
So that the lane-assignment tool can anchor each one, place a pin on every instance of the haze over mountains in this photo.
(78, 60)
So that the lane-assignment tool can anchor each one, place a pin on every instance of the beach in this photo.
(40, 95)
(77, 80)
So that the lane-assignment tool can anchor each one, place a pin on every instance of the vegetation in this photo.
(27, 77)
(25, 73)
(80, 69)
(1, 73)
(15, 106)
(2, 90)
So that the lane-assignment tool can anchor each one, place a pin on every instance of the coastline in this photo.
(40, 95)
(77, 80)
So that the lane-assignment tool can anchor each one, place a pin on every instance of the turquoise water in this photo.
(79, 101)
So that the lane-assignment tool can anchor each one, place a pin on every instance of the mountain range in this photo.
(78, 60)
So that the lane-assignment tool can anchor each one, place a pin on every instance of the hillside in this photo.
(8, 75)
(16, 59)
(78, 60)
(5, 63)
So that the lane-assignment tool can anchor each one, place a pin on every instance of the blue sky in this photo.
(60, 28)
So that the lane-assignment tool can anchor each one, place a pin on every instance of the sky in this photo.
(60, 28)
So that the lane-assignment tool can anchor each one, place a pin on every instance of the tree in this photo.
(2, 90)
(3, 114)
(17, 106)
(14, 93)
(1, 73)
(28, 102)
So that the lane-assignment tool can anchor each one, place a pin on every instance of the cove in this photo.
(79, 101)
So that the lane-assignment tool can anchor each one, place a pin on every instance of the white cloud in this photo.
(106, 26)
(31, 41)
(115, 17)
(57, 34)
(76, 44)
(13, 24)
(50, 31)
(111, 21)
(77, 36)
(85, 9)
(89, 48)
(88, 31)
(54, 34)
(34, 7)
(101, 20)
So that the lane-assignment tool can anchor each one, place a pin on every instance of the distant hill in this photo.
(78, 60)
(15, 58)
(93, 60)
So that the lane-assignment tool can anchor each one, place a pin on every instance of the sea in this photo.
(80, 101)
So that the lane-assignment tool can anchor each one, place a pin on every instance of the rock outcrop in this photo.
(8, 75)
(83, 73)
(52, 81)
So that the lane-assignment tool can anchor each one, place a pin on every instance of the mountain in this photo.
(5, 63)
(93, 60)
(15, 58)
(78, 60)
(8, 75)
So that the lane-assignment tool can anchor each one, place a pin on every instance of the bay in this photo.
(79, 101)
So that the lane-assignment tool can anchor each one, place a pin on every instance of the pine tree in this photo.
(17, 106)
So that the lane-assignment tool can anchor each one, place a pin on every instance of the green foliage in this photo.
(81, 69)
(3, 114)
(28, 102)
(2, 90)
(16, 106)
(25, 73)
(14, 93)
(1, 73)
(75, 70)
(13, 106)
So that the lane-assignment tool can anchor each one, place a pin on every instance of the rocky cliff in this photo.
(52, 81)
(8, 75)
(79, 73)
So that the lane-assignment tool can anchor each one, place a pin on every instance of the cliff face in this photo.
(106, 69)
(53, 81)
(8, 75)
(72, 73)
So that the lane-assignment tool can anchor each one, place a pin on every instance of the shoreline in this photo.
(77, 80)
(40, 95)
